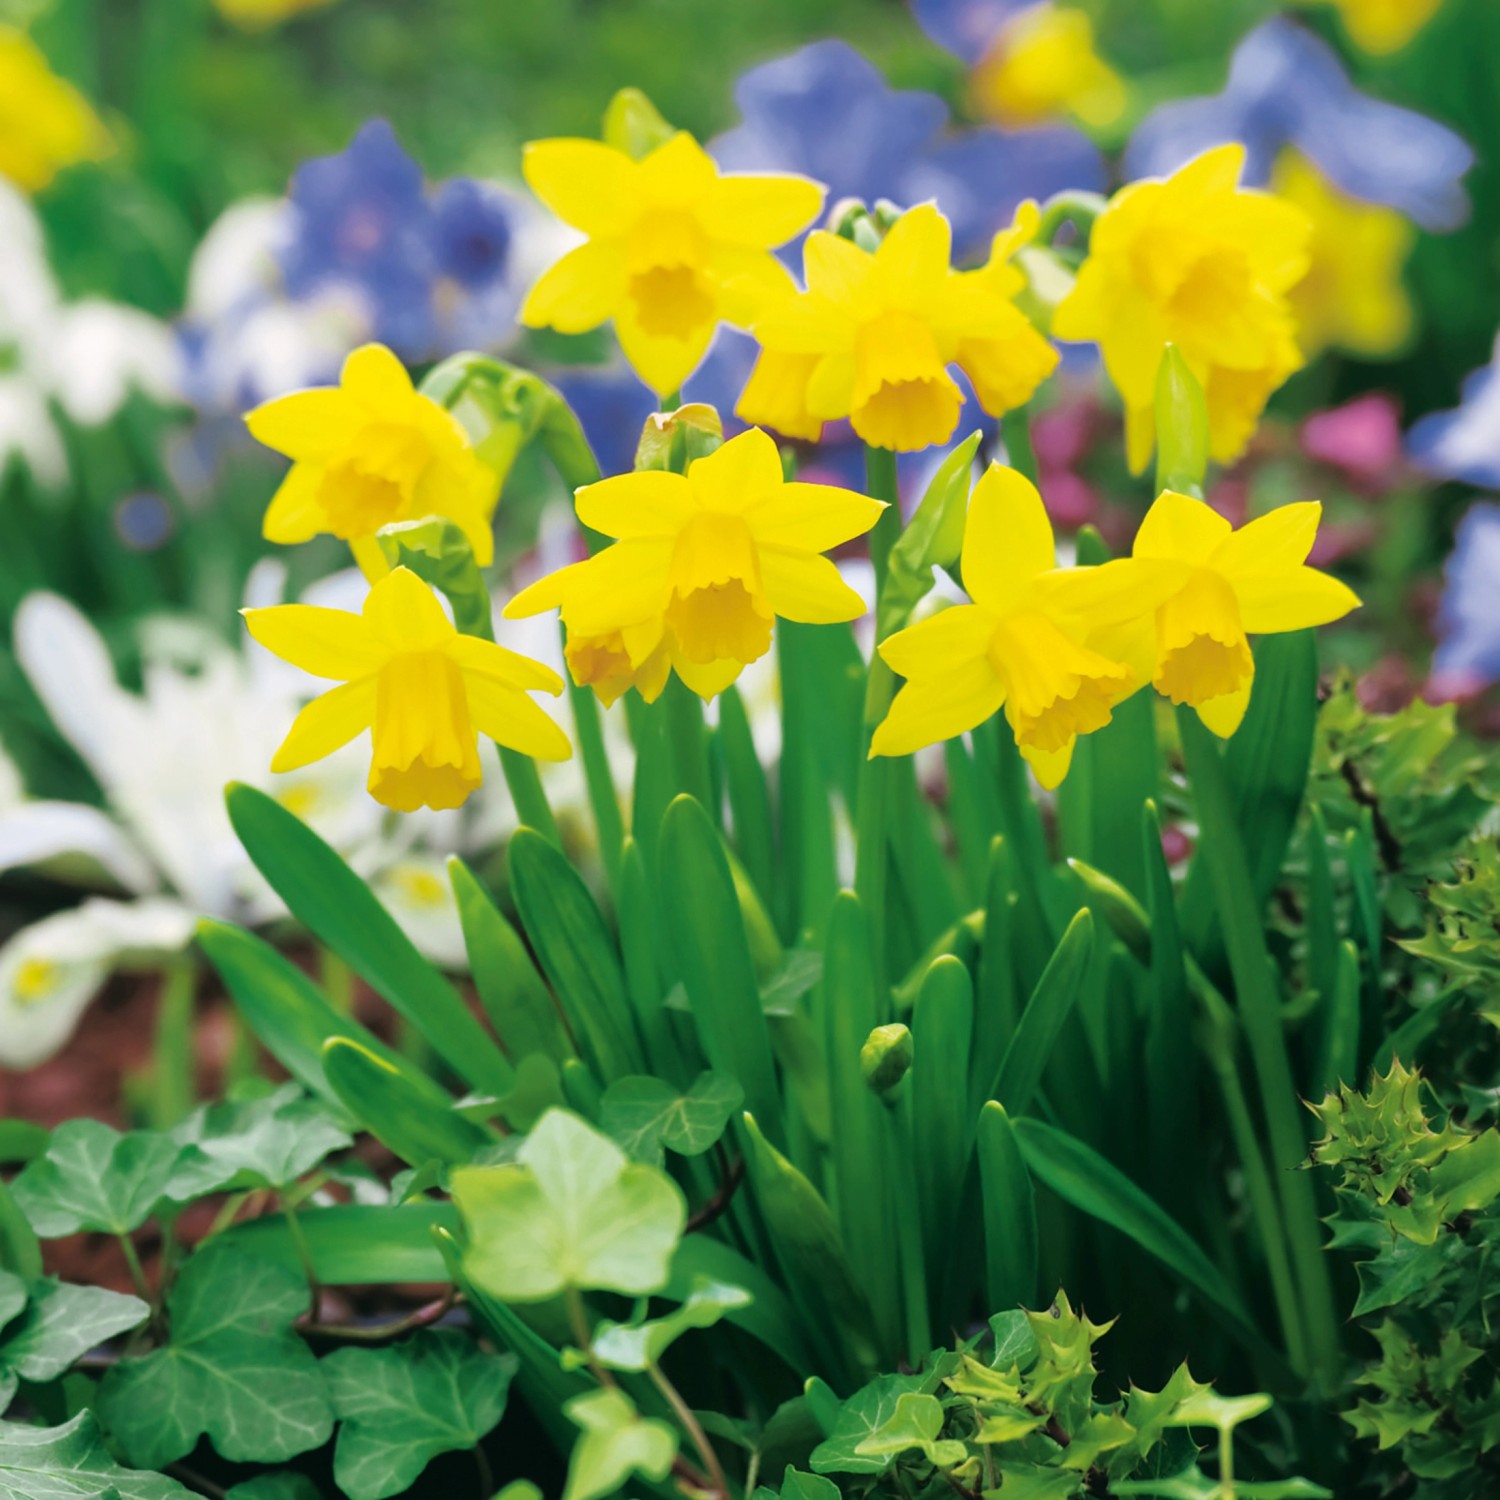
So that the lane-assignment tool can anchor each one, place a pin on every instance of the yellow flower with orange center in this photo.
(874, 334)
(704, 564)
(371, 451)
(1222, 587)
(1196, 261)
(1022, 645)
(674, 248)
(424, 691)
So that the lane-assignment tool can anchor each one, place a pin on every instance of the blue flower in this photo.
(1468, 657)
(362, 219)
(966, 28)
(472, 233)
(826, 111)
(1464, 443)
(1286, 87)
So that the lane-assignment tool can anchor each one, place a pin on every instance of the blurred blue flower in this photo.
(362, 219)
(828, 112)
(472, 233)
(966, 28)
(1464, 443)
(1468, 657)
(1287, 87)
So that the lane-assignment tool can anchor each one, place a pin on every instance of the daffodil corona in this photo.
(1216, 587)
(1196, 261)
(704, 564)
(873, 336)
(371, 451)
(1024, 642)
(674, 248)
(424, 691)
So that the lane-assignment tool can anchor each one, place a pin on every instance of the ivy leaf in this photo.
(61, 1324)
(616, 1442)
(795, 1485)
(637, 1346)
(915, 1423)
(1032, 1482)
(13, 1296)
(269, 1142)
(282, 1484)
(94, 1178)
(645, 1114)
(71, 1463)
(570, 1211)
(864, 1413)
(233, 1369)
(402, 1406)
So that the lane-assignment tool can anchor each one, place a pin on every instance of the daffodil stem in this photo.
(1077, 208)
(880, 480)
(525, 783)
(172, 1061)
(1015, 433)
(604, 799)
(689, 741)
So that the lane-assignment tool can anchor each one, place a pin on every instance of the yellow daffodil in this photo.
(1223, 586)
(45, 123)
(370, 451)
(704, 564)
(1043, 65)
(255, 15)
(1197, 261)
(1023, 644)
(674, 248)
(1352, 295)
(1382, 26)
(424, 691)
(873, 336)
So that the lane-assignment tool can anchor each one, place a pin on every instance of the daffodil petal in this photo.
(621, 586)
(651, 502)
(296, 514)
(306, 424)
(679, 173)
(1125, 589)
(1222, 715)
(812, 517)
(1277, 541)
(1049, 766)
(546, 593)
(378, 381)
(836, 268)
(739, 475)
(326, 642)
(1291, 600)
(511, 719)
(404, 613)
(805, 587)
(481, 658)
(760, 210)
(1007, 538)
(327, 724)
(1179, 527)
(917, 247)
(776, 395)
(662, 361)
(707, 679)
(928, 711)
(952, 637)
(750, 281)
(578, 292)
(585, 183)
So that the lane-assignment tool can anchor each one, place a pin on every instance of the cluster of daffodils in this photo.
(697, 566)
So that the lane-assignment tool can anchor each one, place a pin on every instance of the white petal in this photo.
(48, 833)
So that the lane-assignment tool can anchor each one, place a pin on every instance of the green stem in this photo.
(304, 1254)
(525, 783)
(880, 480)
(172, 1063)
(901, 1162)
(1260, 1014)
(1015, 433)
(693, 1428)
(604, 798)
(688, 737)
(1077, 208)
(137, 1270)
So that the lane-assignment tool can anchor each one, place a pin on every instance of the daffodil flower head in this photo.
(1382, 26)
(45, 123)
(874, 334)
(371, 451)
(674, 247)
(424, 691)
(1024, 644)
(1196, 261)
(1043, 65)
(1352, 295)
(704, 564)
(1216, 587)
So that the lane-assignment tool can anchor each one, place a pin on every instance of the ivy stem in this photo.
(693, 1428)
(137, 1270)
(486, 1474)
(578, 1317)
(304, 1254)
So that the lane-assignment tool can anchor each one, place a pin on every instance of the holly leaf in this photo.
(71, 1463)
(402, 1406)
(637, 1346)
(233, 1369)
(616, 1442)
(269, 1142)
(94, 1178)
(645, 1114)
(61, 1324)
(570, 1211)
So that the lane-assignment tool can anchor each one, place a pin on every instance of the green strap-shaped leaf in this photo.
(402, 1406)
(1080, 1176)
(354, 1244)
(405, 1119)
(1042, 1021)
(642, 956)
(714, 953)
(1009, 1201)
(341, 911)
(749, 796)
(288, 1013)
(523, 1013)
(576, 953)
(233, 1370)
